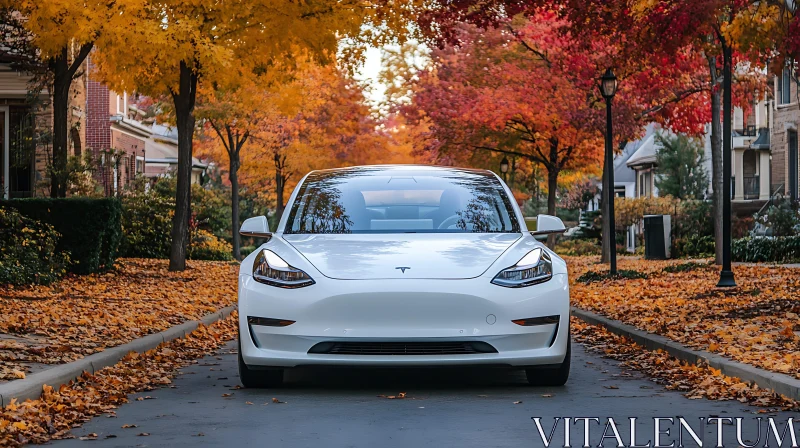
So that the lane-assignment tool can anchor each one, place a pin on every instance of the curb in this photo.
(778, 382)
(31, 386)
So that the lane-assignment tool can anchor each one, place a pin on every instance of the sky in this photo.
(369, 72)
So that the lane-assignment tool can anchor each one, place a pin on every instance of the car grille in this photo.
(402, 348)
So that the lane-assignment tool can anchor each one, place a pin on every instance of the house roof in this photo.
(646, 153)
(622, 173)
(158, 152)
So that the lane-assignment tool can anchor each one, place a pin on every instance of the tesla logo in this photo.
(403, 268)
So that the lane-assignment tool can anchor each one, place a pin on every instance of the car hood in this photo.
(424, 255)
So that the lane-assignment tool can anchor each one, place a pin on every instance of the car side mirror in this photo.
(548, 225)
(257, 227)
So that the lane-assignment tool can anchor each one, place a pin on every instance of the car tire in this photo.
(258, 379)
(551, 376)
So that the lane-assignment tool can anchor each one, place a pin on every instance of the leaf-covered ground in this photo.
(694, 381)
(81, 315)
(58, 411)
(756, 322)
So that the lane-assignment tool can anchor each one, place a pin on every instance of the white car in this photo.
(403, 266)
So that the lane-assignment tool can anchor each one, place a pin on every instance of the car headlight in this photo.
(535, 267)
(272, 270)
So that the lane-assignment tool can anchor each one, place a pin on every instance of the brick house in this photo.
(25, 128)
(107, 123)
(785, 110)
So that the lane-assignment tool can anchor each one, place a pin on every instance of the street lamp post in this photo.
(608, 87)
(726, 279)
(504, 168)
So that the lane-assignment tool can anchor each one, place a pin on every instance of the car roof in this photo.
(407, 170)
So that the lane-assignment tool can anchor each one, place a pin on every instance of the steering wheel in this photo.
(448, 222)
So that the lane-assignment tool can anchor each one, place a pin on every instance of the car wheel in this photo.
(258, 379)
(551, 376)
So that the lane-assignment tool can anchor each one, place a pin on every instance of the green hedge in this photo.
(780, 249)
(90, 228)
(147, 226)
(693, 246)
(28, 250)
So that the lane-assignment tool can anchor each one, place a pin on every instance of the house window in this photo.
(785, 87)
(122, 104)
(645, 184)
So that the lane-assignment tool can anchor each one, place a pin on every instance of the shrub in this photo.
(781, 249)
(90, 228)
(685, 267)
(579, 194)
(578, 247)
(211, 207)
(742, 226)
(206, 246)
(247, 250)
(28, 250)
(592, 276)
(693, 246)
(783, 218)
(147, 225)
(693, 218)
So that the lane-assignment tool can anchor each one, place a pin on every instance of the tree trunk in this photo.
(184, 101)
(552, 186)
(716, 158)
(280, 184)
(605, 252)
(61, 83)
(63, 72)
(234, 177)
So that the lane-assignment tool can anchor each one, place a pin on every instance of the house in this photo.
(25, 129)
(107, 123)
(161, 154)
(624, 184)
(785, 114)
(750, 160)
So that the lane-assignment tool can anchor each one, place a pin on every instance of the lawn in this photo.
(755, 323)
(81, 315)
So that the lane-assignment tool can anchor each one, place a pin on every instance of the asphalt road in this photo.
(442, 408)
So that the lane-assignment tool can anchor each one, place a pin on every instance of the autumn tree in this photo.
(527, 89)
(53, 38)
(733, 36)
(319, 120)
(176, 45)
(230, 114)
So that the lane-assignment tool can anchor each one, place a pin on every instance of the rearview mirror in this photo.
(257, 227)
(548, 225)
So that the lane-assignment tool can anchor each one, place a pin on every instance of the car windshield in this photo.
(371, 200)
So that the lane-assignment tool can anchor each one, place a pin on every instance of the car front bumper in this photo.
(409, 311)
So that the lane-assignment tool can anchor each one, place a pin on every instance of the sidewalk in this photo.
(755, 324)
(41, 327)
